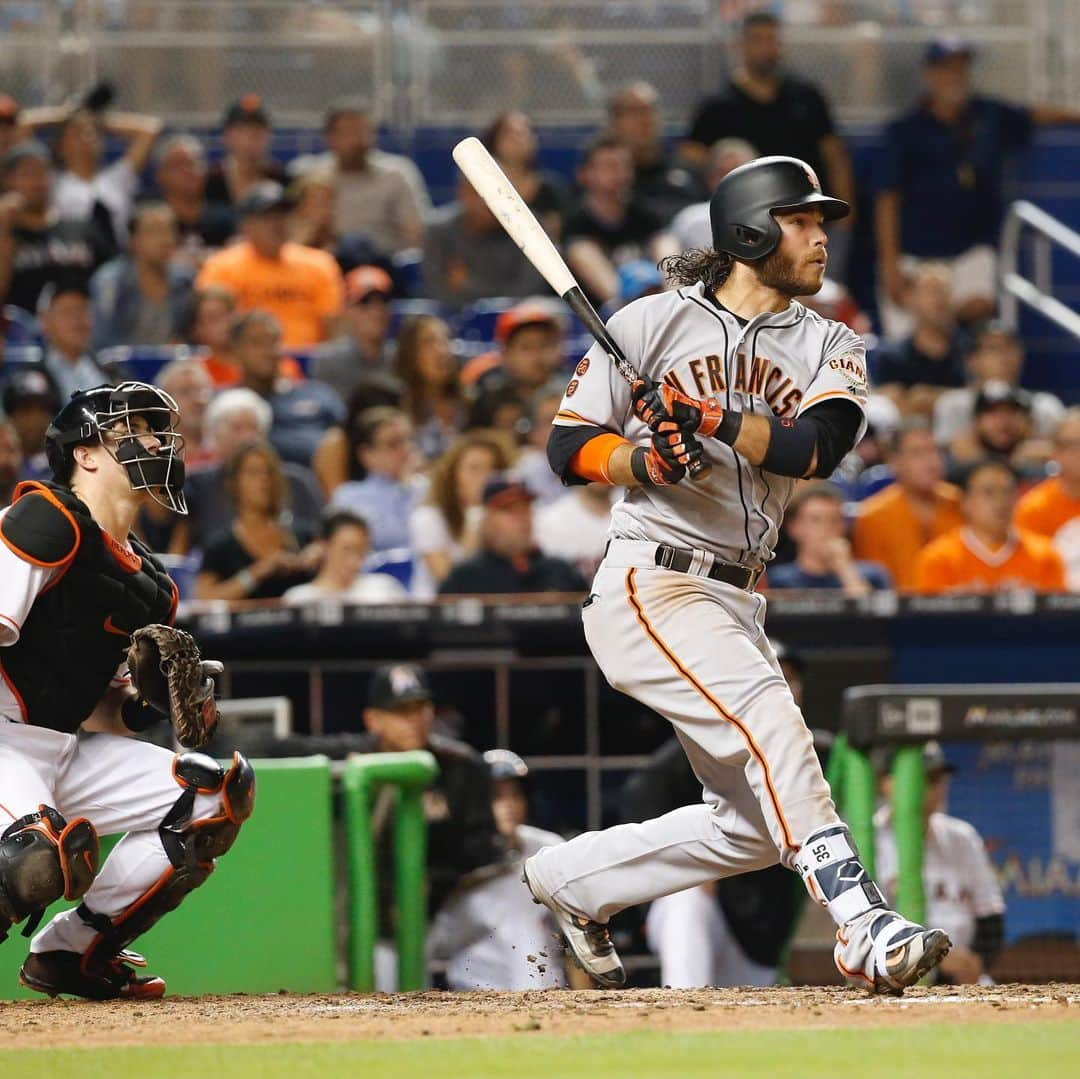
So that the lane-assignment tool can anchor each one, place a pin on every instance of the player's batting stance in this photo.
(85, 659)
(773, 392)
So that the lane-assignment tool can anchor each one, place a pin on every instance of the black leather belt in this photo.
(680, 560)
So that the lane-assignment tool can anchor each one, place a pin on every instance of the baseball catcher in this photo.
(88, 656)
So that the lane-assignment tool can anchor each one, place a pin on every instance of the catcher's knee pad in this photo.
(43, 857)
(829, 865)
(191, 846)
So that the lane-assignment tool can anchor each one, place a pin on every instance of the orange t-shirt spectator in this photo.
(987, 553)
(1052, 508)
(301, 286)
(895, 524)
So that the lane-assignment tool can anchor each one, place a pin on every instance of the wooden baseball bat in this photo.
(509, 208)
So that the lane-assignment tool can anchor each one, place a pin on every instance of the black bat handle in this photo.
(578, 302)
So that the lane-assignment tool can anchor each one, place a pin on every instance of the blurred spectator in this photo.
(530, 338)
(181, 177)
(509, 560)
(11, 460)
(1052, 508)
(1001, 427)
(334, 461)
(729, 932)
(913, 370)
(778, 113)
(575, 526)
(511, 140)
(692, 227)
(863, 471)
(608, 225)
(188, 383)
(11, 130)
(445, 529)
(532, 466)
(383, 494)
(206, 326)
(257, 556)
(962, 892)
(998, 355)
(139, 298)
(247, 164)
(895, 524)
(346, 543)
(30, 401)
(637, 278)
(311, 220)
(468, 256)
(823, 558)
(86, 189)
(67, 326)
(427, 368)
(365, 342)
(940, 185)
(501, 409)
(987, 553)
(378, 195)
(232, 418)
(37, 247)
(301, 286)
(634, 119)
(302, 410)
(492, 935)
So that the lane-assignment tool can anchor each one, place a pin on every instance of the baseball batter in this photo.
(74, 587)
(733, 367)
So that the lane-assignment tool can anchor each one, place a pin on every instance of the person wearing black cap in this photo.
(1001, 427)
(961, 888)
(300, 285)
(940, 184)
(988, 553)
(37, 247)
(509, 560)
(246, 134)
(30, 400)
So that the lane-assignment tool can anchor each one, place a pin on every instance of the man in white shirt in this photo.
(575, 526)
(962, 892)
(67, 324)
(346, 543)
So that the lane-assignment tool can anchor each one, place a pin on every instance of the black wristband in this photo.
(139, 714)
(729, 428)
(639, 467)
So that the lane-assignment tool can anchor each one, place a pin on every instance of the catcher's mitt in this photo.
(167, 670)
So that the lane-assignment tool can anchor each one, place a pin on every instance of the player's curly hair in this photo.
(702, 264)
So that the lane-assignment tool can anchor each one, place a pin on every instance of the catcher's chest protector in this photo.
(76, 634)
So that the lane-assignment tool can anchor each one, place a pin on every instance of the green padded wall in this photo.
(265, 918)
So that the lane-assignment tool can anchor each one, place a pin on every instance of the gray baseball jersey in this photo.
(775, 364)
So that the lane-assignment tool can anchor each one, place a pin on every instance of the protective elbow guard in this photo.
(791, 447)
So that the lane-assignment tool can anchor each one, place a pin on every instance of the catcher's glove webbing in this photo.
(168, 672)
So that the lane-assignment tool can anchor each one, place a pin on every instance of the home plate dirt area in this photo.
(240, 1019)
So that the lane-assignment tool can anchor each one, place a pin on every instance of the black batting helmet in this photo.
(743, 204)
(112, 409)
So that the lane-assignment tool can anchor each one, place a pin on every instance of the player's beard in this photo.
(782, 274)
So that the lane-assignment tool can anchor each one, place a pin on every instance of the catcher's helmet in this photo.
(743, 204)
(505, 764)
(112, 409)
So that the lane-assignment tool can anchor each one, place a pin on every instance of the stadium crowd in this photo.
(366, 380)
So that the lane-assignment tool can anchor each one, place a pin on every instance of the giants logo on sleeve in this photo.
(852, 369)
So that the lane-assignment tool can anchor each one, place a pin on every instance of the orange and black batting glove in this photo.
(655, 402)
(669, 455)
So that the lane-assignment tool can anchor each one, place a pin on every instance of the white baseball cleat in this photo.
(906, 962)
(589, 941)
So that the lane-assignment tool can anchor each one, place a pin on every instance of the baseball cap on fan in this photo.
(397, 684)
(502, 491)
(997, 392)
(524, 314)
(943, 49)
(247, 110)
(367, 281)
(263, 198)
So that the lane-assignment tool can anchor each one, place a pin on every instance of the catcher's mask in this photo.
(111, 411)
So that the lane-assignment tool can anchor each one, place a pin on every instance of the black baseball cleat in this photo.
(54, 973)
(589, 941)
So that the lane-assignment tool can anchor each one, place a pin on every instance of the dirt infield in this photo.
(242, 1019)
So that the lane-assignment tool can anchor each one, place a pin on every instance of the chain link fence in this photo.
(424, 62)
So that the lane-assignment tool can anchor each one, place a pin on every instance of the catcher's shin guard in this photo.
(190, 845)
(43, 857)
